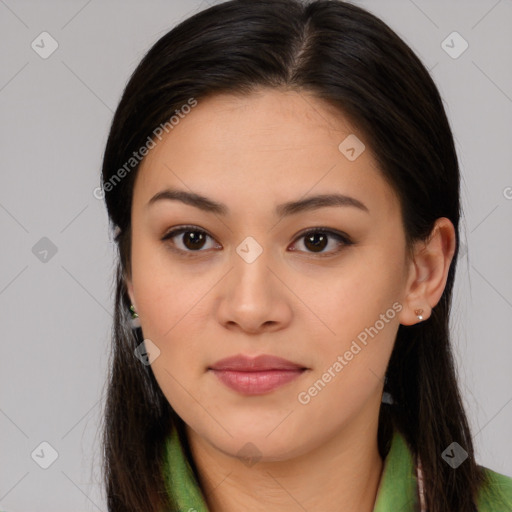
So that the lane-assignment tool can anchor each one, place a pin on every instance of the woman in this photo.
(284, 187)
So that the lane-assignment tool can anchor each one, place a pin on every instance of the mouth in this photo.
(256, 376)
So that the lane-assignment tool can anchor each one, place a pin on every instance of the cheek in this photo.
(165, 294)
(172, 307)
(353, 297)
(360, 306)
(350, 368)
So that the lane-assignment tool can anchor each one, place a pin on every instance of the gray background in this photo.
(56, 309)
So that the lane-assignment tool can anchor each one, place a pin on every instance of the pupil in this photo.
(194, 238)
(319, 244)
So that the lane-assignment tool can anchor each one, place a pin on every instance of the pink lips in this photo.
(255, 376)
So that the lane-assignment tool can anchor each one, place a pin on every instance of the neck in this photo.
(345, 470)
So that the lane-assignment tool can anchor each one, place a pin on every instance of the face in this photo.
(251, 278)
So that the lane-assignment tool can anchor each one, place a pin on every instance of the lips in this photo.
(256, 376)
(253, 364)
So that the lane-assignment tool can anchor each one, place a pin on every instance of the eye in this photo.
(315, 240)
(193, 241)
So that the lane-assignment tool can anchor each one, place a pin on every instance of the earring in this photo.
(418, 312)
(135, 322)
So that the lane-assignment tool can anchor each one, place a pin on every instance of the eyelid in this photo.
(342, 237)
(171, 233)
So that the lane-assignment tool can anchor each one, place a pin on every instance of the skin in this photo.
(251, 153)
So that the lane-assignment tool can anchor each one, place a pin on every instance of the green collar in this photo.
(397, 489)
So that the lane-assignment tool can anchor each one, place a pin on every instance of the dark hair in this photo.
(346, 56)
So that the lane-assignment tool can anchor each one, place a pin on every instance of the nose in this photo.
(253, 298)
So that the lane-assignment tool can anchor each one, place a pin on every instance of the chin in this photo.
(256, 441)
(260, 449)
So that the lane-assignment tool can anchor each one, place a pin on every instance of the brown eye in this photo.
(192, 239)
(316, 240)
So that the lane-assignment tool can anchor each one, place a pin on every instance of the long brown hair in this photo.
(350, 58)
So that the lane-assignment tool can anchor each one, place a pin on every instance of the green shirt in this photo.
(398, 487)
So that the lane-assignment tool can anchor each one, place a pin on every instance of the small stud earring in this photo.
(135, 322)
(418, 312)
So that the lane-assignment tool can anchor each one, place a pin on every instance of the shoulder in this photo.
(496, 492)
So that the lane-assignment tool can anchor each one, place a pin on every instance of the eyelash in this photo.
(341, 237)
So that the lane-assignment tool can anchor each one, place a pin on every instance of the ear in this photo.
(428, 272)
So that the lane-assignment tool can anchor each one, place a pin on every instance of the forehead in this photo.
(270, 145)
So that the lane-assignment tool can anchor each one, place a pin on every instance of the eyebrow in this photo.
(289, 208)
